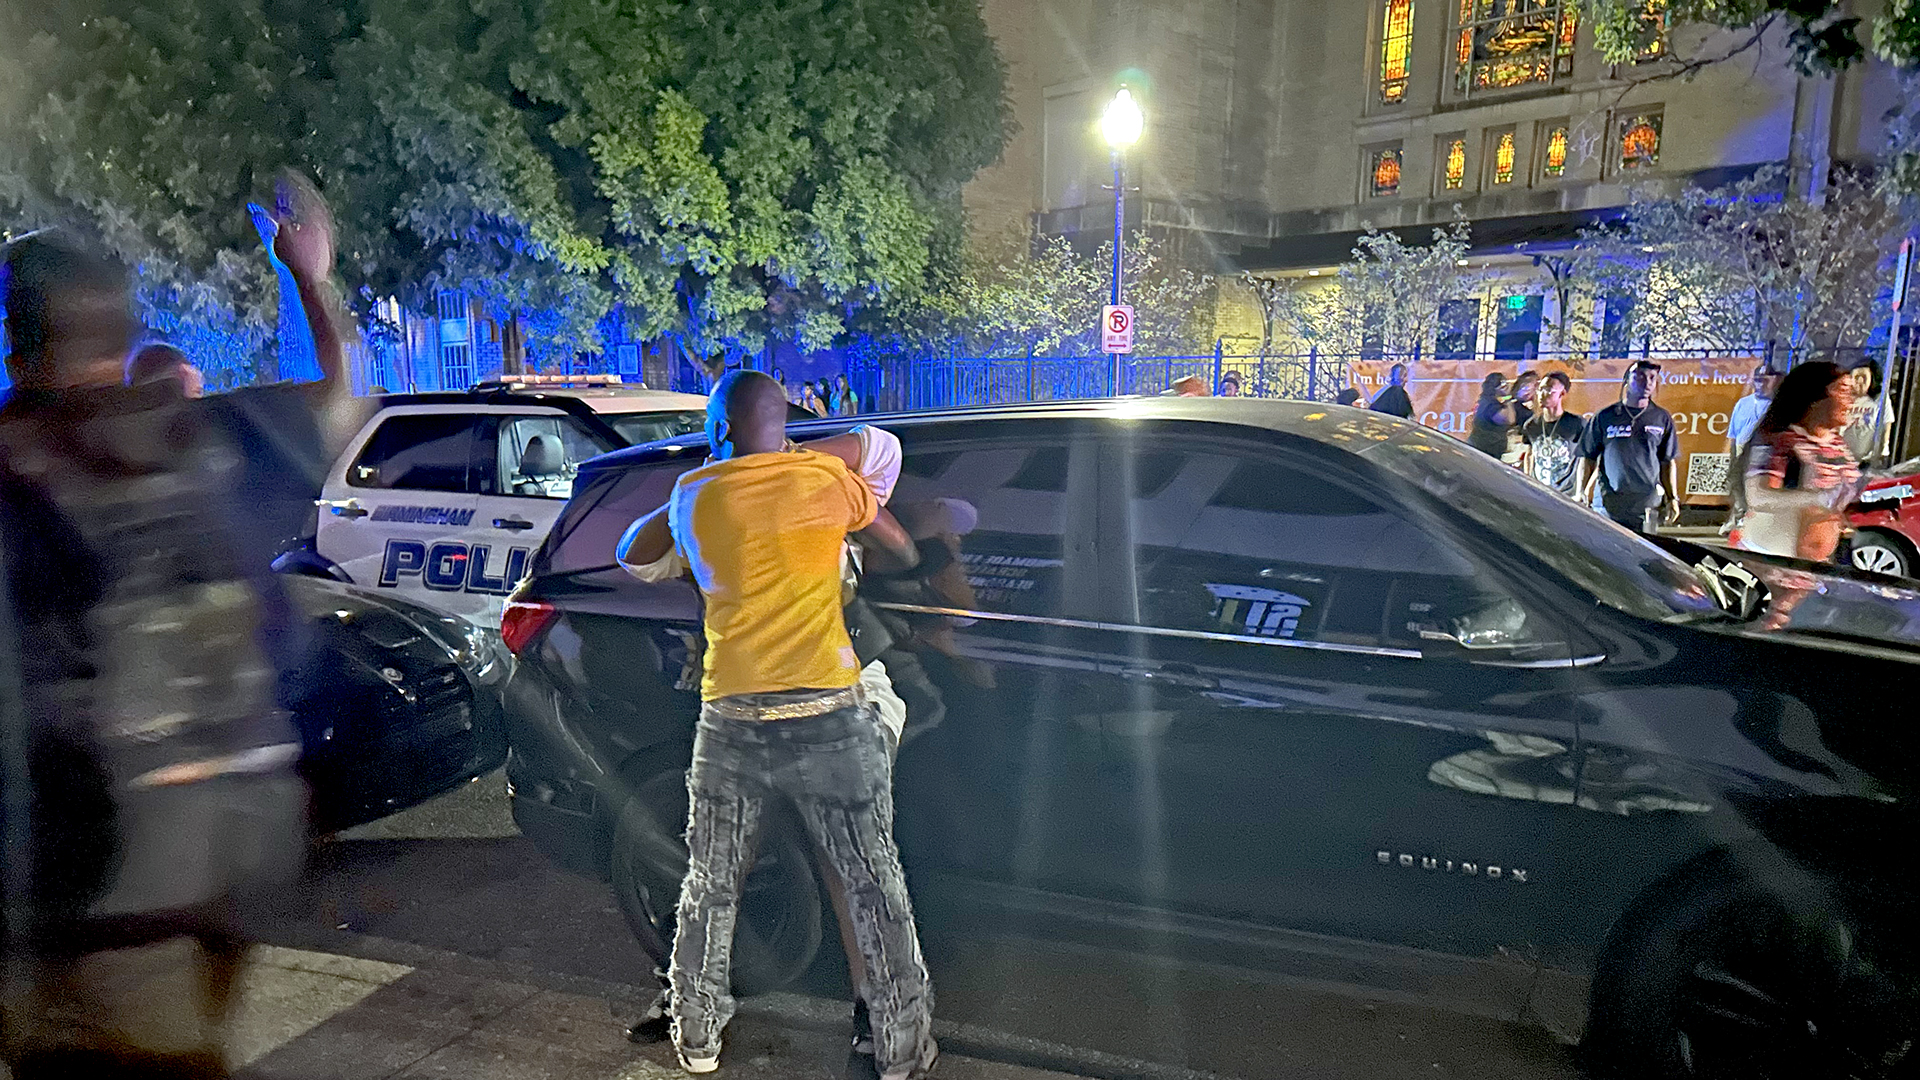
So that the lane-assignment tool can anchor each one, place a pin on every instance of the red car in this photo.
(1886, 520)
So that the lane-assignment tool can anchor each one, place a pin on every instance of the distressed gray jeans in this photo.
(834, 769)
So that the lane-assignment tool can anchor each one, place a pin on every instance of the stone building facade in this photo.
(1278, 130)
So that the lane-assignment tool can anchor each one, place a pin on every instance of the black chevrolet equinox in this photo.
(1233, 680)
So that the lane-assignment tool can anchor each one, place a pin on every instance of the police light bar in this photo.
(519, 382)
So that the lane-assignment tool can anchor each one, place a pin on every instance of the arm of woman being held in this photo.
(646, 549)
(888, 547)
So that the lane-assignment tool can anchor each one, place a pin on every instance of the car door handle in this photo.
(346, 508)
(513, 524)
(1187, 679)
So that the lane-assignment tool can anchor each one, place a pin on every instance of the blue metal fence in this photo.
(908, 383)
(905, 383)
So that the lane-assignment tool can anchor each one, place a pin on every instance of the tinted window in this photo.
(639, 428)
(1618, 568)
(1256, 547)
(593, 522)
(418, 453)
(1004, 512)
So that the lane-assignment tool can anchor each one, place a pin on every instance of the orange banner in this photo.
(1698, 392)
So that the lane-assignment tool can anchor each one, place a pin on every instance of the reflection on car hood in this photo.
(1807, 602)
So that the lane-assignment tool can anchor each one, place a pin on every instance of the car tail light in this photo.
(523, 621)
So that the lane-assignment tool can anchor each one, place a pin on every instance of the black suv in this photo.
(1222, 679)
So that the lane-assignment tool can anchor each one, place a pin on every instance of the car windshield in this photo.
(646, 427)
(1620, 569)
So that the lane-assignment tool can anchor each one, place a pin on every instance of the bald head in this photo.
(747, 414)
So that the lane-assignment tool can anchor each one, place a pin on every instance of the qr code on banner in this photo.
(1707, 474)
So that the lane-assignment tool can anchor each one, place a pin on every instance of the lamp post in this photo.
(1120, 125)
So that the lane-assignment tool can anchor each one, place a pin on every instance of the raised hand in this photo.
(303, 237)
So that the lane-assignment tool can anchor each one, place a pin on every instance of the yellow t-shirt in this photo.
(762, 535)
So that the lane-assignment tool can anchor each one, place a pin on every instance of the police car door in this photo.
(401, 512)
(527, 458)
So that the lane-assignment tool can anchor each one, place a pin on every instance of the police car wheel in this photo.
(780, 923)
(1881, 554)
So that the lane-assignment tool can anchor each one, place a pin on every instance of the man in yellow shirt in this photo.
(762, 528)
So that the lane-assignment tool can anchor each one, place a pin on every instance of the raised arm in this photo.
(303, 241)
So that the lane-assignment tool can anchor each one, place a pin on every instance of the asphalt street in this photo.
(495, 946)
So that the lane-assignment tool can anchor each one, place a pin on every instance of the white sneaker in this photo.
(700, 1063)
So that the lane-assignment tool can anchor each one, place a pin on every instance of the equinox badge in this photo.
(1448, 866)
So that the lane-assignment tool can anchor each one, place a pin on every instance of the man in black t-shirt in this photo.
(1552, 437)
(1636, 450)
(1394, 400)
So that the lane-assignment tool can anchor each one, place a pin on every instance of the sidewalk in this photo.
(310, 1015)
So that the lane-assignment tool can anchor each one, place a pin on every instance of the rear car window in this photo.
(601, 510)
(638, 428)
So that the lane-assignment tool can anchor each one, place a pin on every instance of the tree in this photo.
(1018, 295)
(727, 170)
(1742, 265)
(1388, 298)
(1823, 37)
(1823, 34)
(766, 169)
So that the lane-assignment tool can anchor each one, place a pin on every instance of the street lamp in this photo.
(1120, 125)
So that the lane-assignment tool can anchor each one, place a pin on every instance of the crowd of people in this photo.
(820, 396)
(1796, 444)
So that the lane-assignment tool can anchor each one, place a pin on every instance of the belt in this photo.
(735, 709)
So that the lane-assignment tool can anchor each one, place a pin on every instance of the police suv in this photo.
(442, 497)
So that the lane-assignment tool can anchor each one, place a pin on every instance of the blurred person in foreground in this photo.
(1799, 473)
(1629, 455)
(162, 765)
(763, 528)
(1230, 385)
(1394, 400)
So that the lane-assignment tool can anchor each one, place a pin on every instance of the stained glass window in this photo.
(1508, 43)
(1384, 179)
(1503, 158)
(1396, 49)
(1640, 141)
(1455, 173)
(1554, 162)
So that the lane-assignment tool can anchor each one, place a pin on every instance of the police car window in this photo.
(538, 456)
(418, 453)
(1256, 547)
(1003, 511)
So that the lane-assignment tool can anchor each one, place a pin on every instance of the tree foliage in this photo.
(1019, 294)
(726, 169)
(1738, 266)
(1824, 35)
(1387, 298)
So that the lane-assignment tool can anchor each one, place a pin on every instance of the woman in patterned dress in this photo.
(1800, 474)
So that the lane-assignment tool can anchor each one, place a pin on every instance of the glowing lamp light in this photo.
(1120, 125)
(1516, 303)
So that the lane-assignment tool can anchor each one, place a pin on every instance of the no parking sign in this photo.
(1116, 328)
